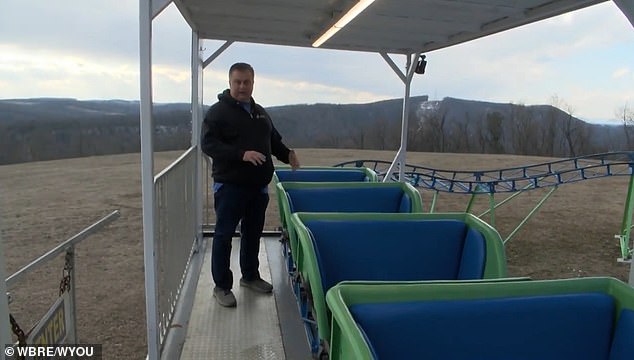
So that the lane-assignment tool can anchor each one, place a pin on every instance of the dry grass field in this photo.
(44, 203)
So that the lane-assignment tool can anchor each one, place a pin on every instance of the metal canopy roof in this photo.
(391, 26)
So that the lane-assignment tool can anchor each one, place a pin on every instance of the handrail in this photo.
(13, 279)
(174, 163)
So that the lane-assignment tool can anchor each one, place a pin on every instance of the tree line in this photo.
(449, 125)
(462, 126)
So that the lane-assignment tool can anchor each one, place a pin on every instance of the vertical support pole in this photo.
(70, 262)
(197, 108)
(626, 226)
(147, 177)
(470, 203)
(626, 223)
(627, 7)
(400, 158)
(409, 67)
(200, 70)
(5, 332)
(492, 208)
(432, 207)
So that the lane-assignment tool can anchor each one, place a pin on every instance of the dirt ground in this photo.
(45, 203)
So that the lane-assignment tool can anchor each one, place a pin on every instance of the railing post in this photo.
(70, 264)
(197, 115)
(5, 333)
(147, 177)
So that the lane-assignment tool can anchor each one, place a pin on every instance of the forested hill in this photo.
(44, 129)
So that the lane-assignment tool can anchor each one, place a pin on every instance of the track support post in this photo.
(626, 224)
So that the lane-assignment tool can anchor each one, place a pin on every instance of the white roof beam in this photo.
(627, 7)
(216, 53)
(158, 6)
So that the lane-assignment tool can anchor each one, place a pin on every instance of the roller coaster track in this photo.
(519, 179)
(513, 179)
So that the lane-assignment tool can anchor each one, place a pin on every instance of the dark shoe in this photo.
(225, 297)
(258, 285)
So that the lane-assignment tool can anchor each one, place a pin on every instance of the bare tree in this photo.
(495, 130)
(459, 136)
(571, 131)
(626, 115)
(431, 130)
(523, 130)
(357, 135)
(327, 140)
(481, 133)
(380, 133)
(549, 129)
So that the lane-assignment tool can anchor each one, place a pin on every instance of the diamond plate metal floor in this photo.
(249, 331)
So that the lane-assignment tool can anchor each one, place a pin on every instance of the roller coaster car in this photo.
(392, 247)
(583, 318)
(349, 197)
(314, 174)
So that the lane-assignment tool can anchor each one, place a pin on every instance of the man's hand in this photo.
(293, 160)
(254, 157)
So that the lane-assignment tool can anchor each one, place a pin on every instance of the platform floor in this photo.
(253, 329)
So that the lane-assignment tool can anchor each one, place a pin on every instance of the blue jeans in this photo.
(234, 203)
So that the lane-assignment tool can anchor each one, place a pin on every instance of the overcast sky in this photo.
(88, 49)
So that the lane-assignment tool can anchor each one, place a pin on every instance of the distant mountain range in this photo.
(52, 128)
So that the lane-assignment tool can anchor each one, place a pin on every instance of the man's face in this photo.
(241, 85)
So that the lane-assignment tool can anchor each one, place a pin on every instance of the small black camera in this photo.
(420, 67)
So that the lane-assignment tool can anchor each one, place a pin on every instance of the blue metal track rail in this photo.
(513, 179)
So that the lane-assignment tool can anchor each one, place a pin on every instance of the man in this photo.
(240, 138)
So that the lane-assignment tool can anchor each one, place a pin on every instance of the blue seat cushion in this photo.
(473, 256)
(321, 175)
(623, 337)
(571, 326)
(362, 199)
(390, 250)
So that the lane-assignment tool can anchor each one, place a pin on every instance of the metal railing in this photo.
(68, 282)
(208, 194)
(175, 234)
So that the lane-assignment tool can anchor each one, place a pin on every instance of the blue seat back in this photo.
(554, 327)
(396, 250)
(350, 199)
(321, 175)
(623, 335)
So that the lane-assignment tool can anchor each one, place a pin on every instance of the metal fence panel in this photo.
(175, 232)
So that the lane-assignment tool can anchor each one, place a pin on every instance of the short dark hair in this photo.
(240, 66)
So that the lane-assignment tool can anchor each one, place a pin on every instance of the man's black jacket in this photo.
(229, 130)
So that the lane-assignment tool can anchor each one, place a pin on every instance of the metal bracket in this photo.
(626, 252)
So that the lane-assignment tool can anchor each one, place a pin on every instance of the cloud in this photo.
(621, 73)
(41, 72)
(98, 27)
(280, 92)
(273, 90)
(89, 49)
